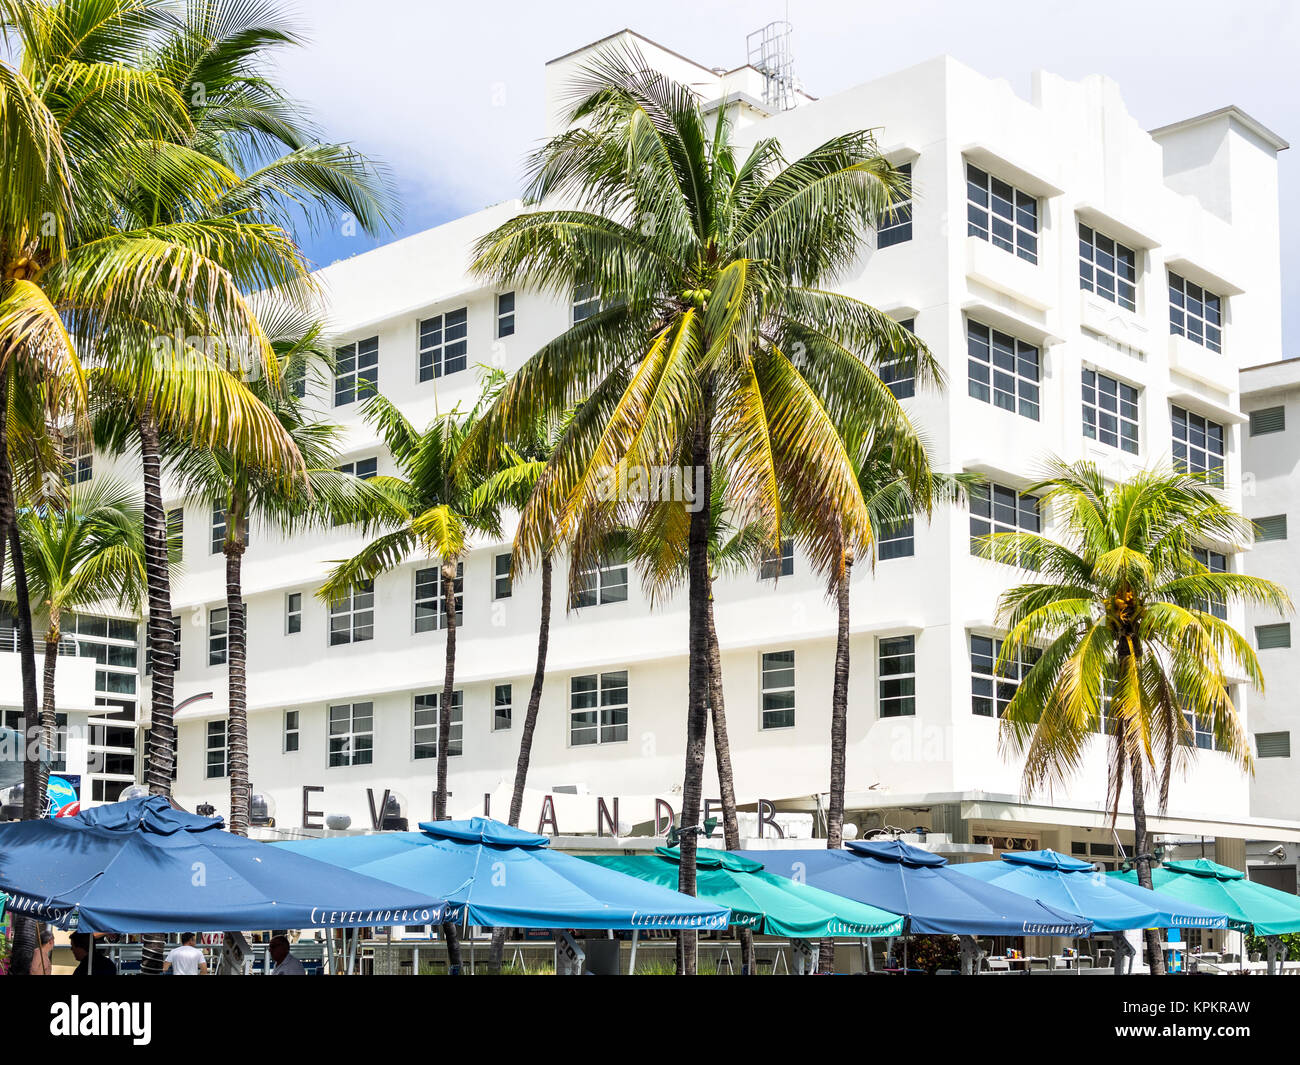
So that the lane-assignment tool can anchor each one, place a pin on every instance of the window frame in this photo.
(438, 599)
(294, 730)
(359, 373)
(599, 583)
(292, 614)
(1023, 240)
(1213, 475)
(600, 707)
(997, 695)
(772, 565)
(765, 690)
(505, 319)
(346, 605)
(352, 754)
(898, 229)
(1181, 314)
(455, 743)
(223, 636)
(586, 297)
(224, 748)
(994, 524)
(433, 356)
(1094, 395)
(498, 705)
(498, 577)
(1092, 266)
(997, 345)
(882, 678)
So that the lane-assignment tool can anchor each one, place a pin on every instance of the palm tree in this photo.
(1124, 624)
(246, 491)
(715, 341)
(435, 501)
(76, 554)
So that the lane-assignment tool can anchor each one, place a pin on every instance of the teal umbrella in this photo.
(1219, 887)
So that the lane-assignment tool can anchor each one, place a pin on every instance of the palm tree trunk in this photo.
(444, 733)
(726, 779)
(161, 760)
(697, 715)
(526, 738)
(6, 471)
(33, 802)
(49, 715)
(236, 660)
(1142, 857)
(839, 733)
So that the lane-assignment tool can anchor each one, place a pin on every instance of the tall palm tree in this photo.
(1130, 645)
(715, 342)
(437, 507)
(87, 550)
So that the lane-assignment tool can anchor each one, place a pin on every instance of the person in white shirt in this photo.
(285, 963)
(187, 959)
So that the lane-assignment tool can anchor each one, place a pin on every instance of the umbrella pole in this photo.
(631, 965)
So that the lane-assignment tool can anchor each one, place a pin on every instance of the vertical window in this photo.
(78, 458)
(1270, 528)
(1107, 268)
(176, 528)
(1198, 445)
(991, 692)
(995, 508)
(501, 582)
(292, 733)
(1195, 313)
(605, 583)
(1001, 213)
(900, 377)
(356, 371)
(1272, 637)
(897, 225)
(502, 707)
(1110, 411)
(1002, 370)
(293, 613)
(424, 725)
(898, 676)
(598, 709)
(776, 564)
(778, 689)
(1267, 420)
(1215, 562)
(351, 734)
(444, 344)
(585, 303)
(363, 469)
(352, 615)
(295, 376)
(1200, 732)
(896, 539)
(218, 636)
(431, 598)
(218, 761)
(219, 530)
(505, 314)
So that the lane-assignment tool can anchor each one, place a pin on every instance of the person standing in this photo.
(187, 959)
(285, 963)
(88, 962)
(43, 959)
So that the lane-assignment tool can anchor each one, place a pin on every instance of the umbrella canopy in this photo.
(1069, 884)
(144, 866)
(501, 877)
(1218, 887)
(769, 904)
(923, 888)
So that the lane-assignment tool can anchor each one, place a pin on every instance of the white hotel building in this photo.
(1092, 290)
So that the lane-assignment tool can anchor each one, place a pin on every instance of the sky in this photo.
(449, 95)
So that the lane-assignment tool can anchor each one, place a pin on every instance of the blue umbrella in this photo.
(922, 887)
(1069, 884)
(502, 877)
(144, 866)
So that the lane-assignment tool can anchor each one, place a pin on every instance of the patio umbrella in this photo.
(144, 866)
(1069, 884)
(923, 888)
(769, 904)
(501, 877)
(1218, 887)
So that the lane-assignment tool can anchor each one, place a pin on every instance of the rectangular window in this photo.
(1198, 445)
(775, 564)
(78, 458)
(991, 692)
(296, 378)
(1267, 420)
(424, 725)
(1215, 562)
(356, 371)
(362, 469)
(1270, 528)
(900, 379)
(1273, 744)
(1195, 313)
(444, 344)
(1107, 268)
(995, 508)
(1201, 732)
(505, 314)
(218, 761)
(219, 530)
(606, 583)
(502, 707)
(1271, 637)
(897, 224)
(292, 733)
(501, 583)
(1110, 411)
(896, 539)
(175, 529)
(1002, 370)
(585, 303)
(598, 709)
(1001, 213)
(352, 615)
(351, 734)
(778, 689)
(431, 598)
(293, 613)
(218, 636)
(898, 676)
